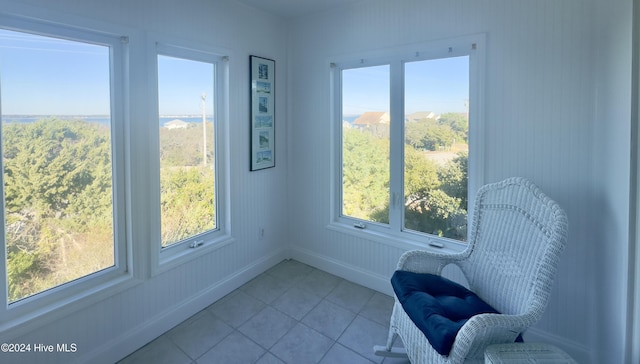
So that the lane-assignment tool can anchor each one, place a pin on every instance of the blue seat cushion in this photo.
(438, 307)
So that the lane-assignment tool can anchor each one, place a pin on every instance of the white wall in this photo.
(109, 329)
(612, 172)
(557, 111)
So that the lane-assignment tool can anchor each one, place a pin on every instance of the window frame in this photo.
(17, 315)
(394, 233)
(165, 258)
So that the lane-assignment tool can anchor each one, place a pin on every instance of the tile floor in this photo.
(292, 314)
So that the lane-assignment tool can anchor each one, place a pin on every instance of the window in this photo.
(60, 128)
(68, 149)
(406, 126)
(187, 163)
(190, 118)
(436, 146)
(366, 143)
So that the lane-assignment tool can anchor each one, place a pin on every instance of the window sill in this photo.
(23, 320)
(404, 241)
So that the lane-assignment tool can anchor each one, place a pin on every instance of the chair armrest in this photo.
(488, 321)
(423, 261)
(488, 329)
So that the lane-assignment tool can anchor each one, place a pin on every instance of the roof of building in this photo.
(175, 123)
(371, 118)
(421, 115)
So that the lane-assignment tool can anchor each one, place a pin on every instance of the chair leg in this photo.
(389, 350)
(391, 339)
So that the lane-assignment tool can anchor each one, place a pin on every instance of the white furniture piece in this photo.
(516, 238)
(529, 353)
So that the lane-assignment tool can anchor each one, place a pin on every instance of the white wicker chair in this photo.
(517, 235)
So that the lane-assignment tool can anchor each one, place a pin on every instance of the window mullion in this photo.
(119, 110)
(336, 175)
(396, 200)
(476, 124)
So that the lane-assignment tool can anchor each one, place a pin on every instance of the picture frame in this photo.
(262, 89)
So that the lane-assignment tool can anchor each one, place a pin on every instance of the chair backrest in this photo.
(517, 236)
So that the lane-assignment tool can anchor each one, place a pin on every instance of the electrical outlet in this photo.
(260, 233)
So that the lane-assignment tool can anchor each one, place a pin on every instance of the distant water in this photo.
(186, 119)
(100, 119)
(32, 118)
(350, 118)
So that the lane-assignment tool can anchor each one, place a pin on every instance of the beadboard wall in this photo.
(557, 111)
(109, 329)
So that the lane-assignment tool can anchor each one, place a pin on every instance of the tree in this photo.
(454, 177)
(434, 135)
(187, 195)
(435, 196)
(365, 174)
(183, 146)
(50, 164)
(57, 188)
(420, 175)
(459, 123)
(59, 203)
(187, 202)
(429, 205)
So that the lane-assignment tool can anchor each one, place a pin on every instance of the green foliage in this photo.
(435, 194)
(58, 198)
(365, 175)
(22, 271)
(187, 186)
(459, 123)
(436, 213)
(440, 134)
(183, 147)
(187, 202)
(420, 173)
(57, 178)
(454, 178)
(49, 165)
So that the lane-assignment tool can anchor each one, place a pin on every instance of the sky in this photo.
(181, 84)
(48, 76)
(440, 85)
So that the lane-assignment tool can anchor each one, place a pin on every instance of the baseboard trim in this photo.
(375, 281)
(139, 336)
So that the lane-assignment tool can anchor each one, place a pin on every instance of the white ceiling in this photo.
(295, 8)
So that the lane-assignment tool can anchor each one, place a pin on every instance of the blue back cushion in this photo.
(438, 307)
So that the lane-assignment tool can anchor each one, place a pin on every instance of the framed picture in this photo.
(263, 102)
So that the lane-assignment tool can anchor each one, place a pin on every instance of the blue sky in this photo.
(48, 76)
(440, 85)
(181, 84)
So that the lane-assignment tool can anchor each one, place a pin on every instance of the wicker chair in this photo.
(517, 236)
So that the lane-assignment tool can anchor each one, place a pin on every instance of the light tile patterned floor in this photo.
(291, 314)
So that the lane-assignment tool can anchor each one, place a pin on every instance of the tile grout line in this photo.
(285, 277)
